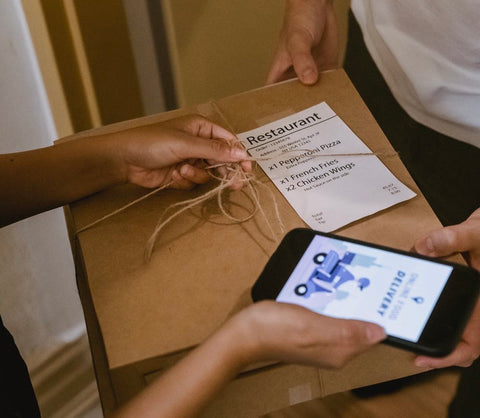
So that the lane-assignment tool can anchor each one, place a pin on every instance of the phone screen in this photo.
(353, 281)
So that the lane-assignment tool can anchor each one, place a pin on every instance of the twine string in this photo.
(121, 209)
(234, 173)
(224, 184)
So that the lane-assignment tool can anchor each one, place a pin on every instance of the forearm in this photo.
(265, 331)
(38, 180)
(148, 156)
(185, 389)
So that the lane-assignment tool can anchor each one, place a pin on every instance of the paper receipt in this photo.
(300, 155)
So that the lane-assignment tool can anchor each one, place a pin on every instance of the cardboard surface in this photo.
(202, 269)
(272, 389)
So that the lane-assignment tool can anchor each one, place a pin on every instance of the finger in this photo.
(208, 129)
(462, 356)
(353, 338)
(246, 166)
(300, 48)
(279, 68)
(194, 174)
(351, 333)
(197, 125)
(222, 170)
(366, 332)
(210, 149)
(180, 182)
(288, 74)
(237, 180)
(235, 176)
(205, 128)
(446, 241)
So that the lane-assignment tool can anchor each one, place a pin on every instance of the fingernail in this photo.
(420, 363)
(176, 175)
(239, 153)
(186, 170)
(375, 334)
(429, 245)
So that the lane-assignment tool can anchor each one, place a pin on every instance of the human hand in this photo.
(308, 42)
(177, 152)
(464, 237)
(266, 330)
(274, 331)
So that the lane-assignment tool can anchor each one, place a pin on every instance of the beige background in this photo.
(223, 47)
(217, 48)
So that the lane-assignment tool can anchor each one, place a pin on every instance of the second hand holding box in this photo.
(201, 271)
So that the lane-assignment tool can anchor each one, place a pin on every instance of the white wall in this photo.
(38, 298)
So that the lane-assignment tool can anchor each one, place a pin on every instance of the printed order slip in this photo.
(327, 191)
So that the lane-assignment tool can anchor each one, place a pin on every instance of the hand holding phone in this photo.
(270, 331)
(463, 237)
(422, 303)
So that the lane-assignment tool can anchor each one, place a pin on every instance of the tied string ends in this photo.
(233, 175)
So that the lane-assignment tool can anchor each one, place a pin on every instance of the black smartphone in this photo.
(422, 303)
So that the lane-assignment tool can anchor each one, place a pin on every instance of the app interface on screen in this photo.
(347, 280)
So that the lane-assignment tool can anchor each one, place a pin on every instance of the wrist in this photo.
(248, 328)
(240, 339)
(112, 148)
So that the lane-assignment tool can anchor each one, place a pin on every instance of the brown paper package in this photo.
(142, 317)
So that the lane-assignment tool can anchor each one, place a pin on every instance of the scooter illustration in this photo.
(330, 274)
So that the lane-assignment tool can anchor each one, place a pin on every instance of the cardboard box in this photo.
(143, 316)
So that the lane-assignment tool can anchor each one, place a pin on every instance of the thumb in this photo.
(351, 333)
(445, 241)
(299, 47)
(353, 337)
(369, 332)
(209, 149)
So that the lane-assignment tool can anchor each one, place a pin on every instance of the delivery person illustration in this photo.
(332, 272)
